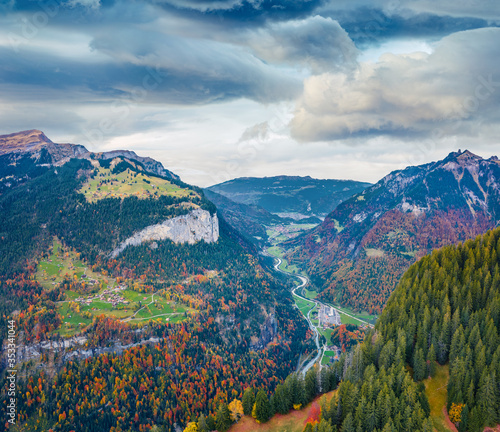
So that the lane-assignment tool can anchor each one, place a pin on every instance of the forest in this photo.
(445, 310)
(209, 358)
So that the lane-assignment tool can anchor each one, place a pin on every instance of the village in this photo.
(110, 295)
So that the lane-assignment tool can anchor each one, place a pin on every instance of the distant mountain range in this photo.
(357, 255)
(28, 153)
(290, 196)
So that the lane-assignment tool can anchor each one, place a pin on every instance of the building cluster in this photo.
(110, 295)
(328, 316)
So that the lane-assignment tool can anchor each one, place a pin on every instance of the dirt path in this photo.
(449, 424)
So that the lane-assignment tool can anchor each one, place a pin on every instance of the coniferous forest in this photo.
(445, 310)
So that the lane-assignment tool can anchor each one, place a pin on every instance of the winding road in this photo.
(304, 281)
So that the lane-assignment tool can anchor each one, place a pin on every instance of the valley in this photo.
(306, 301)
(142, 305)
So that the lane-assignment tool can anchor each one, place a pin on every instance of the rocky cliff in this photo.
(190, 228)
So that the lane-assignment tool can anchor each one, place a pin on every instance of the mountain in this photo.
(432, 362)
(127, 284)
(290, 196)
(357, 255)
(249, 220)
(27, 154)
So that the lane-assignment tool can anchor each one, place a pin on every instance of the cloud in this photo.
(241, 13)
(481, 9)
(257, 132)
(317, 43)
(369, 26)
(451, 90)
(129, 51)
(205, 70)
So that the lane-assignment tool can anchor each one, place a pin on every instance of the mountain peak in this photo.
(32, 142)
(462, 155)
(23, 141)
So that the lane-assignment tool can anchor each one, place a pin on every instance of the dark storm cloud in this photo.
(242, 11)
(367, 26)
(166, 69)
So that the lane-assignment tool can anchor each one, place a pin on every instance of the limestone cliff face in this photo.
(190, 228)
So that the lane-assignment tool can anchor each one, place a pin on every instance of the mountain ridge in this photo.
(298, 197)
(45, 152)
(363, 247)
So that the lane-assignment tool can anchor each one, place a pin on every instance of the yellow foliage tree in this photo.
(455, 412)
(236, 410)
(254, 412)
(191, 427)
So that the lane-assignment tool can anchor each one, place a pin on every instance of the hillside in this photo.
(250, 220)
(357, 255)
(432, 363)
(447, 307)
(290, 196)
(27, 154)
(156, 298)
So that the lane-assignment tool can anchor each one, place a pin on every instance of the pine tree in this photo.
(348, 425)
(311, 384)
(223, 420)
(262, 407)
(419, 368)
(202, 424)
(281, 400)
(487, 399)
(431, 362)
(248, 401)
(324, 426)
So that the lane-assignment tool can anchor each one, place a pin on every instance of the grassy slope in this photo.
(127, 184)
(52, 271)
(294, 421)
(436, 391)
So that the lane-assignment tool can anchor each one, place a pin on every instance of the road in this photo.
(304, 281)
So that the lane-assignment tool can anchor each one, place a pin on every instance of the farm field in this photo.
(372, 319)
(303, 305)
(62, 262)
(108, 297)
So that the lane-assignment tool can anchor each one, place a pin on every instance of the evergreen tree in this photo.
(419, 366)
(211, 423)
(311, 384)
(431, 362)
(248, 401)
(262, 409)
(348, 425)
(223, 418)
(202, 424)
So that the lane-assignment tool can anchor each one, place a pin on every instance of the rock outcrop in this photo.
(190, 228)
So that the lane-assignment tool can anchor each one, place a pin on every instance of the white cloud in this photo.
(451, 88)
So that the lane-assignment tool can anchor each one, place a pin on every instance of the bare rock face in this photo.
(190, 228)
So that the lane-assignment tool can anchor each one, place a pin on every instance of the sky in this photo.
(219, 89)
